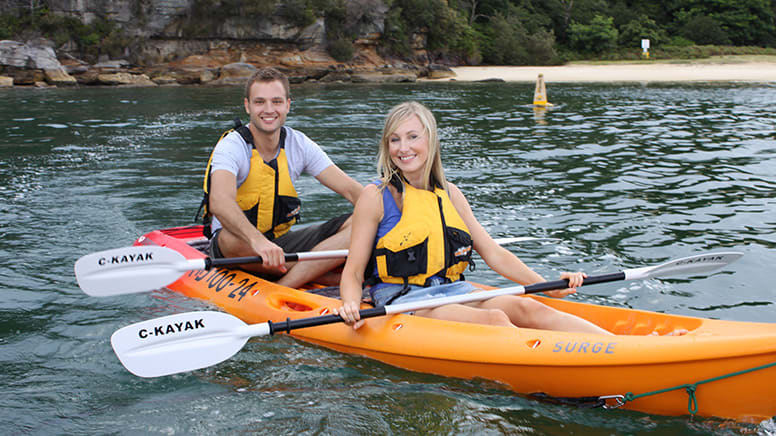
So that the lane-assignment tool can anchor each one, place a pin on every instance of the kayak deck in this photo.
(529, 361)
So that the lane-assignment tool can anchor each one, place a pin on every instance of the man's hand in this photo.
(272, 256)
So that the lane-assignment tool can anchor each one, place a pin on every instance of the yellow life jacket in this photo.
(267, 196)
(430, 239)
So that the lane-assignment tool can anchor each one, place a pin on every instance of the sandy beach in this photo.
(627, 72)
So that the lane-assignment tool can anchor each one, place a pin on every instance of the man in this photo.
(250, 193)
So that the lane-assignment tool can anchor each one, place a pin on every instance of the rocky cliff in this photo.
(215, 42)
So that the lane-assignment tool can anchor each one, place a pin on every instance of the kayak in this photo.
(724, 369)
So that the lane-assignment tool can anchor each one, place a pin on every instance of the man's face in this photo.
(267, 106)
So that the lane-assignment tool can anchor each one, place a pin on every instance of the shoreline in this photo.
(631, 72)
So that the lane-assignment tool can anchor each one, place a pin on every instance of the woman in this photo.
(413, 233)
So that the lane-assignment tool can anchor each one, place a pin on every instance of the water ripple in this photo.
(620, 176)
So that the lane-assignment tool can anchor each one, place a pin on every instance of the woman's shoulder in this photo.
(372, 193)
(372, 187)
(453, 190)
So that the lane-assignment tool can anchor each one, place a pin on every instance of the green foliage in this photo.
(507, 41)
(341, 50)
(510, 32)
(298, 12)
(707, 51)
(642, 27)
(704, 30)
(743, 22)
(99, 37)
(597, 37)
(340, 45)
(447, 30)
(9, 26)
(503, 45)
(680, 41)
(395, 36)
(467, 42)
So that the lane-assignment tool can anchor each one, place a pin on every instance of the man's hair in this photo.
(266, 75)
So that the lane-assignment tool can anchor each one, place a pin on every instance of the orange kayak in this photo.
(724, 369)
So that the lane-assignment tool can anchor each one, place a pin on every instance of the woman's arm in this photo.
(366, 217)
(497, 257)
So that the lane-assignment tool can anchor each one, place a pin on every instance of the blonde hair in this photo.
(433, 173)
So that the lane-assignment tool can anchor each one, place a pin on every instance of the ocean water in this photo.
(621, 176)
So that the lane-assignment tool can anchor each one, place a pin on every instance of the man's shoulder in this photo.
(232, 140)
(297, 138)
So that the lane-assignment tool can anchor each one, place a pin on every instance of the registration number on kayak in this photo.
(224, 280)
(584, 347)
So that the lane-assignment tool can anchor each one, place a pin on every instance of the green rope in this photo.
(692, 400)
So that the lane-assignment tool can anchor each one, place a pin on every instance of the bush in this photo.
(680, 41)
(341, 50)
(541, 48)
(597, 37)
(297, 12)
(448, 32)
(640, 28)
(396, 36)
(704, 30)
(505, 42)
(9, 26)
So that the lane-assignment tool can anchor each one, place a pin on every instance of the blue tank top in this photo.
(391, 214)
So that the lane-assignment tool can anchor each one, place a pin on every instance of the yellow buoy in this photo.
(540, 94)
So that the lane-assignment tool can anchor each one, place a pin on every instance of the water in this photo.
(623, 176)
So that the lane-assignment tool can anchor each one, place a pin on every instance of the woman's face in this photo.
(408, 147)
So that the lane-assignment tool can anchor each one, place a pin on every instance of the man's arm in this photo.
(223, 204)
(336, 180)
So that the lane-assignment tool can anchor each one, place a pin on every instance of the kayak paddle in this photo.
(147, 267)
(194, 340)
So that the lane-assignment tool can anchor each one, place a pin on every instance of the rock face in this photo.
(184, 42)
(32, 63)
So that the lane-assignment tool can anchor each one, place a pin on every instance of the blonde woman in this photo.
(413, 232)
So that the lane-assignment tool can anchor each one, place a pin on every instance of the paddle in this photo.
(194, 340)
(147, 267)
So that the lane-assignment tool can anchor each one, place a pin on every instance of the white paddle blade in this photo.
(180, 343)
(701, 263)
(131, 269)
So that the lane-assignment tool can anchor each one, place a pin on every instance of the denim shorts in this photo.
(385, 292)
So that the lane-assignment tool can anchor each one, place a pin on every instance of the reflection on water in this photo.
(622, 176)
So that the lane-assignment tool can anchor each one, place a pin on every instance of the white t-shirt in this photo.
(302, 153)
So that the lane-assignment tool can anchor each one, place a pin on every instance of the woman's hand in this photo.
(575, 279)
(349, 312)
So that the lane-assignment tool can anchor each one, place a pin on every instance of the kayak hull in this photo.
(697, 373)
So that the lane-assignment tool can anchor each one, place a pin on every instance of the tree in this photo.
(704, 30)
(470, 8)
(597, 37)
(640, 28)
(743, 22)
(517, 38)
(562, 13)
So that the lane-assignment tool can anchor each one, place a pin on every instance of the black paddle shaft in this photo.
(293, 324)
(231, 261)
(563, 284)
